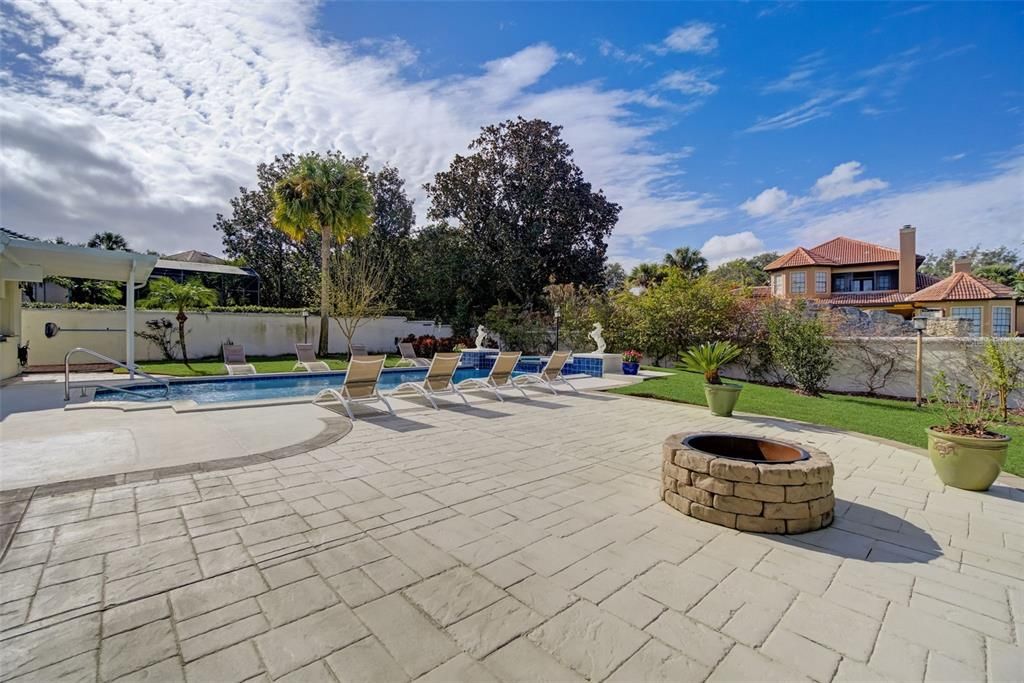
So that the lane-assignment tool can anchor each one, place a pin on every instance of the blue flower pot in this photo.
(630, 368)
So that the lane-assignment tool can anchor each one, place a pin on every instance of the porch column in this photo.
(129, 323)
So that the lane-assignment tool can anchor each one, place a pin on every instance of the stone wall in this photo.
(765, 498)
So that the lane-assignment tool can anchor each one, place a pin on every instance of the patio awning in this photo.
(31, 261)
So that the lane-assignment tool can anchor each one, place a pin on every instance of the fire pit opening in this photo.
(746, 448)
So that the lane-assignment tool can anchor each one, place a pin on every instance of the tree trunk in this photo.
(325, 289)
(181, 317)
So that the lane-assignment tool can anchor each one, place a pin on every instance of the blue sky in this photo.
(736, 127)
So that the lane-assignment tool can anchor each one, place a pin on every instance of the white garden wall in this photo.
(853, 369)
(262, 334)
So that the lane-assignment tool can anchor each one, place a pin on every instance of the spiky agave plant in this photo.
(709, 358)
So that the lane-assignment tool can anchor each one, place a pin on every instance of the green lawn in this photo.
(897, 420)
(264, 365)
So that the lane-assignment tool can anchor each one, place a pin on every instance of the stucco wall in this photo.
(10, 326)
(262, 334)
(853, 371)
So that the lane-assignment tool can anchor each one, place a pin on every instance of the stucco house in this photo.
(849, 272)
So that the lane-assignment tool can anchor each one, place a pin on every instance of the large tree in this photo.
(748, 272)
(941, 264)
(442, 276)
(288, 269)
(527, 211)
(687, 260)
(328, 197)
(111, 241)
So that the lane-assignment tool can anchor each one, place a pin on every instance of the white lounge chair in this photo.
(356, 351)
(550, 375)
(359, 385)
(438, 380)
(500, 376)
(409, 356)
(307, 359)
(234, 360)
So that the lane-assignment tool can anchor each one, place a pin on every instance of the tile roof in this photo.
(840, 251)
(866, 299)
(962, 287)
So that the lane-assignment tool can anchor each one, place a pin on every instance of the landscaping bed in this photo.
(263, 364)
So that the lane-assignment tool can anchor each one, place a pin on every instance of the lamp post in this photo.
(920, 323)
(558, 319)
(305, 326)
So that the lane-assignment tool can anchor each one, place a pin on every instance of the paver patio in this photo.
(515, 541)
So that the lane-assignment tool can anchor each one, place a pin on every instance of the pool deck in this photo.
(507, 541)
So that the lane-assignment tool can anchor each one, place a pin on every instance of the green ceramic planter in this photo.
(967, 462)
(722, 398)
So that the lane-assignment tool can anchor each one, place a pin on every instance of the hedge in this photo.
(213, 309)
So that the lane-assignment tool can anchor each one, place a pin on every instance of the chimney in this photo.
(908, 260)
(962, 265)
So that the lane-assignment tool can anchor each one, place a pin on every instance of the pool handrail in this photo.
(108, 359)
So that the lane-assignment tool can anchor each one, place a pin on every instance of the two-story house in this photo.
(849, 272)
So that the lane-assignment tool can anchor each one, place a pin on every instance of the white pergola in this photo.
(24, 260)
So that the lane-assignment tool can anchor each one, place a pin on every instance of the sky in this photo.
(732, 127)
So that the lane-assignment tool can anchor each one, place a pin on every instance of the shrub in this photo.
(427, 345)
(1003, 370)
(526, 331)
(799, 344)
(631, 356)
(161, 332)
(711, 357)
(578, 307)
(962, 413)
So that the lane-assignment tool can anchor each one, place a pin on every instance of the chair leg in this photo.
(384, 401)
(460, 394)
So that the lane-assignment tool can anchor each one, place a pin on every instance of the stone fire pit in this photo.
(747, 483)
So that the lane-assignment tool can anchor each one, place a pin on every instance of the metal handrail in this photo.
(82, 349)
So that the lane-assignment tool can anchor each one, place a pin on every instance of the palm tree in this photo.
(326, 197)
(646, 274)
(110, 241)
(166, 293)
(688, 260)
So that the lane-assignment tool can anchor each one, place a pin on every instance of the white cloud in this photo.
(955, 157)
(988, 210)
(697, 37)
(609, 49)
(843, 182)
(721, 248)
(145, 118)
(690, 82)
(770, 201)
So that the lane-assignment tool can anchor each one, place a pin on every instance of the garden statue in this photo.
(595, 334)
(481, 335)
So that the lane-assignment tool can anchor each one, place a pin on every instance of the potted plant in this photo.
(631, 362)
(709, 358)
(966, 454)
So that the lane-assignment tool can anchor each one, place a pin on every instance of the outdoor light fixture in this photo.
(920, 324)
(305, 326)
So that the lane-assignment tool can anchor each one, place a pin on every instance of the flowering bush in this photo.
(427, 345)
(631, 356)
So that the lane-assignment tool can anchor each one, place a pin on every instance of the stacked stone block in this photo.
(789, 498)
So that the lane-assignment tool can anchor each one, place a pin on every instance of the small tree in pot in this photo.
(709, 358)
(966, 454)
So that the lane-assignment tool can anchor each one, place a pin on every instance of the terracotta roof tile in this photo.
(799, 257)
(962, 287)
(840, 251)
(866, 299)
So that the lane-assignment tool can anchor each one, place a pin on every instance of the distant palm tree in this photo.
(166, 293)
(111, 241)
(327, 197)
(646, 274)
(688, 260)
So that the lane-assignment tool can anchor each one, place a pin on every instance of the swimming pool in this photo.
(261, 387)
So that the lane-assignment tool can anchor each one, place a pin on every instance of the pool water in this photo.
(252, 388)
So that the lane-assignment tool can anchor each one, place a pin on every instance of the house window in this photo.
(1001, 321)
(777, 286)
(885, 281)
(798, 283)
(841, 283)
(821, 281)
(972, 313)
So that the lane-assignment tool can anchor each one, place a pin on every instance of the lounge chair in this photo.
(234, 360)
(359, 385)
(409, 356)
(307, 359)
(500, 376)
(550, 375)
(438, 380)
(357, 350)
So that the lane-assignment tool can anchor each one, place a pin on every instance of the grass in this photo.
(897, 420)
(204, 367)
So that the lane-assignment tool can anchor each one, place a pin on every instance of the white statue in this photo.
(481, 335)
(595, 334)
